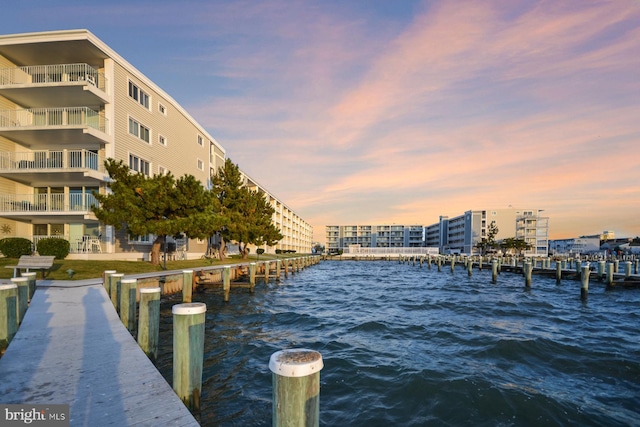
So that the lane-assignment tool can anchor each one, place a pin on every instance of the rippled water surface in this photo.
(409, 346)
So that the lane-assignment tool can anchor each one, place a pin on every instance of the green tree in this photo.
(246, 213)
(517, 245)
(158, 205)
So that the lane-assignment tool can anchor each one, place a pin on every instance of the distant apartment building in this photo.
(462, 233)
(67, 103)
(575, 246)
(373, 236)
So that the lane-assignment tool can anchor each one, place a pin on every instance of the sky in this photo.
(397, 112)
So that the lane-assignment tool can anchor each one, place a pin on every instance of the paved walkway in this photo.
(72, 348)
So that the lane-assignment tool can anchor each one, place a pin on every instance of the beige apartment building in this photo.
(67, 103)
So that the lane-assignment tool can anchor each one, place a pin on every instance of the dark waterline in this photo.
(409, 346)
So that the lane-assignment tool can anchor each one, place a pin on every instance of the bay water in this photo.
(405, 345)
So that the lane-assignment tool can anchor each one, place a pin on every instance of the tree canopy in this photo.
(246, 213)
(158, 205)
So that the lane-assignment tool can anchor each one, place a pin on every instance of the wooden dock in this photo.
(72, 348)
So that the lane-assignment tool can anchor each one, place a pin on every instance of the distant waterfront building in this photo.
(462, 233)
(67, 103)
(373, 236)
(575, 246)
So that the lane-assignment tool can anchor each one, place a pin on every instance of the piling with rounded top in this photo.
(128, 289)
(439, 263)
(558, 273)
(601, 269)
(494, 271)
(115, 280)
(267, 267)
(31, 277)
(149, 321)
(226, 282)
(8, 313)
(278, 270)
(453, 263)
(188, 352)
(584, 278)
(187, 285)
(469, 267)
(252, 276)
(22, 284)
(528, 270)
(106, 280)
(616, 265)
(627, 269)
(296, 387)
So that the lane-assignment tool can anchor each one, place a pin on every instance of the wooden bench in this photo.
(29, 262)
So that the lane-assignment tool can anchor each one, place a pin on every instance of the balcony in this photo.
(66, 85)
(40, 128)
(52, 167)
(65, 207)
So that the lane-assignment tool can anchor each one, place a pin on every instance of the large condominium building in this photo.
(373, 236)
(67, 103)
(462, 233)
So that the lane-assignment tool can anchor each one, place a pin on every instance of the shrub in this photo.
(259, 251)
(15, 247)
(54, 246)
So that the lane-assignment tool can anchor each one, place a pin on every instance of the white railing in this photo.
(84, 244)
(58, 73)
(51, 159)
(47, 202)
(391, 251)
(69, 116)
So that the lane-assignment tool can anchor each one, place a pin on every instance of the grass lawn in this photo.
(93, 269)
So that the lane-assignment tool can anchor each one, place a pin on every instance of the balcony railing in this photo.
(43, 117)
(46, 74)
(17, 203)
(51, 159)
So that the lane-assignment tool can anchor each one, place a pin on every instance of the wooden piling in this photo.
(278, 270)
(188, 352)
(469, 267)
(453, 263)
(8, 313)
(187, 285)
(601, 270)
(22, 284)
(252, 276)
(558, 273)
(584, 278)
(149, 322)
(128, 288)
(627, 269)
(528, 270)
(494, 271)
(609, 274)
(267, 267)
(106, 280)
(439, 263)
(226, 282)
(296, 387)
(115, 280)
(31, 277)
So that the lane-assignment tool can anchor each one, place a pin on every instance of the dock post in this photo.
(616, 265)
(278, 270)
(252, 276)
(584, 277)
(453, 262)
(627, 269)
(636, 266)
(31, 276)
(558, 273)
(609, 274)
(149, 322)
(22, 284)
(8, 313)
(296, 387)
(187, 285)
(226, 282)
(115, 280)
(601, 270)
(494, 271)
(267, 267)
(106, 280)
(578, 268)
(439, 263)
(128, 288)
(528, 269)
(188, 352)
(421, 260)
(429, 262)
(469, 267)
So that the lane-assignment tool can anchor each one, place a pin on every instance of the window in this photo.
(162, 140)
(200, 165)
(138, 130)
(138, 165)
(149, 238)
(139, 95)
(162, 109)
(200, 142)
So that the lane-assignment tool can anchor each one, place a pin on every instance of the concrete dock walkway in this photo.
(72, 348)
